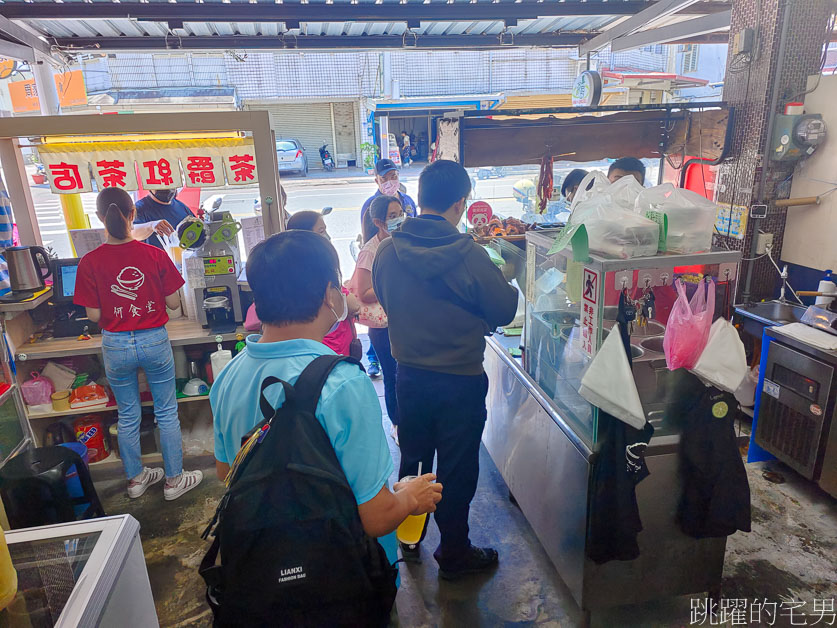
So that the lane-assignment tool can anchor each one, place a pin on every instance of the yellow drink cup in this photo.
(412, 528)
(8, 575)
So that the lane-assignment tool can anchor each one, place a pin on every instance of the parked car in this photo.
(491, 172)
(290, 157)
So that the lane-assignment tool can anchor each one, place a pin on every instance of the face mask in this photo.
(165, 196)
(394, 223)
(340, 318)
(389, 188)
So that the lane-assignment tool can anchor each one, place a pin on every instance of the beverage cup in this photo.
(411, 531)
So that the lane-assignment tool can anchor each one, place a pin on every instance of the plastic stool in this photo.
(34, 490)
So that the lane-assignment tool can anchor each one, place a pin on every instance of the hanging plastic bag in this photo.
(691, 217)
(609, 383)
(687, 330)
(723, 362)
(37, 390)
(591, 186)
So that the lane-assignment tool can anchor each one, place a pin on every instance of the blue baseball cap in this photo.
(384, 166)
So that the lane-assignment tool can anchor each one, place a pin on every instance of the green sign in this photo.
(661, 219)
(575, 235)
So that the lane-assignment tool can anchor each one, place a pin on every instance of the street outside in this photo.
(345, 194)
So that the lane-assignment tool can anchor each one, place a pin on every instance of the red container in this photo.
(90, 431)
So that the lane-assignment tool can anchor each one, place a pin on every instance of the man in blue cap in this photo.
(386, 176)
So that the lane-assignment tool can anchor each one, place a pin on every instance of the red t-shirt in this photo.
(129, 283)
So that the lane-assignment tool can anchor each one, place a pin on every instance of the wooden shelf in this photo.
(79, 411)
(182, 332)
(25, 306)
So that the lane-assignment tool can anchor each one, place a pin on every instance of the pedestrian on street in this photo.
(442, 294)
(386, 178)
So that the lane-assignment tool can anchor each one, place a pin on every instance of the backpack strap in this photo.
(309, 386)
(267, 409)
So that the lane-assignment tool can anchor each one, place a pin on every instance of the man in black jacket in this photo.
(442, 295)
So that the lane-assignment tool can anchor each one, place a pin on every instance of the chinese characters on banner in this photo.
(159, 170)
(69, 173)
(113, 170)
(591, 292)
(240, 165)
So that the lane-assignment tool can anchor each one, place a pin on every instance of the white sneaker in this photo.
(394, 433)
(146, 479)
(188, 481)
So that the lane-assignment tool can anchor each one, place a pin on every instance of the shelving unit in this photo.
(98, 409)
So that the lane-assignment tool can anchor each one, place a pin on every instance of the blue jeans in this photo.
(379, 340)
(124, 353)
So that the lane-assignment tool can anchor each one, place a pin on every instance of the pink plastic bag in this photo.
(687, 330)
(37, 391)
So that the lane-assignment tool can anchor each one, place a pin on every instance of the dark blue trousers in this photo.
(379, 341)
(444, 415)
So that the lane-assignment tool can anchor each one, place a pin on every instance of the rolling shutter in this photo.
(310, 123)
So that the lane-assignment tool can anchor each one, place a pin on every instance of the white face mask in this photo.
(389, 188)
(340, 318)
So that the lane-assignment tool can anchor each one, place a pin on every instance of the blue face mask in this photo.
(394, 223)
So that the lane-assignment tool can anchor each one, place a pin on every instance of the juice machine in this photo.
(214, 268)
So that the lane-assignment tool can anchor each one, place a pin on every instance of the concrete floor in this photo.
(791, 554)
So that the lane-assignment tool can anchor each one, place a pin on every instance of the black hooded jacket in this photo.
(442, 295)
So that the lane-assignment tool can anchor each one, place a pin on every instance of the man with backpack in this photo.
(442, 295)
(308, 499)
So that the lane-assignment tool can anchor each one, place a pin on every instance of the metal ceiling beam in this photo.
(364, 12)
(645, 17)
(16, 33)
(263, 42)
(12, 50)
(682, 30)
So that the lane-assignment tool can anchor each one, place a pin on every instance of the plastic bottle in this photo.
(828, 286)
(8, 574)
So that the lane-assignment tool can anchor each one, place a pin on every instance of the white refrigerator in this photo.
(84, 573)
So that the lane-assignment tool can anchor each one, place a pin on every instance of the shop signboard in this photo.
(24, 95)
(590, 295)
(587, 89)
(70, 89)
(153, 165)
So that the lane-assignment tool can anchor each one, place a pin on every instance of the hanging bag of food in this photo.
(688, 325)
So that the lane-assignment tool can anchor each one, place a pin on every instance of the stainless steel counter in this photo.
(548, 467)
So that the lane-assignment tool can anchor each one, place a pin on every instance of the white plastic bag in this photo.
(625, 191)
(591, 186)
(609, 383)
(691, 217)
(614, 231)
(723, 362)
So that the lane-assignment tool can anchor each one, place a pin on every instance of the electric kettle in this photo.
(26, 272)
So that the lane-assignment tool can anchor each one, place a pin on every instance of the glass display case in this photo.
(571, 306)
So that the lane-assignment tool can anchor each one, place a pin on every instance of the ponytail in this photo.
(115, 209)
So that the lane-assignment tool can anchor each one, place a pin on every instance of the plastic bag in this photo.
(691, 217)
(614, 231)
(591, 186)
(723, 362)
(687, 330)
(37, 390)
(625, 191)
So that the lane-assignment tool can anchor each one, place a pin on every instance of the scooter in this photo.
(325, 157)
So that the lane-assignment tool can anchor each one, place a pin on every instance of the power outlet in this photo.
(763, 241)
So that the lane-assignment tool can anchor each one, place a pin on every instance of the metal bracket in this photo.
(506, 37)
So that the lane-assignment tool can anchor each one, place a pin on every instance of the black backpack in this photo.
(293, 549)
